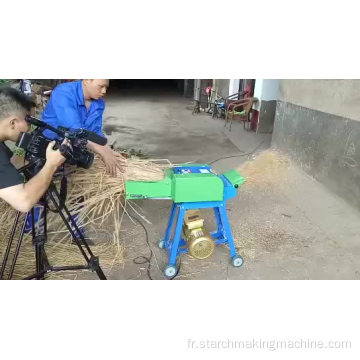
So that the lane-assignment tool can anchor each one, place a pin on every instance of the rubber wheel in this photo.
(161, 244)
(237, 261)
(170, 271)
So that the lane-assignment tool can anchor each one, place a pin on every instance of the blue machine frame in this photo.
(176, 245)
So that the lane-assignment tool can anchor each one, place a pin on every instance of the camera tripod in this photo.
(39, 238)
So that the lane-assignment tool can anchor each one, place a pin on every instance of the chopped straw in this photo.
(266, 172)
(267, 169)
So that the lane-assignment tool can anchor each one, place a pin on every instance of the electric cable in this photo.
(141, 259)
(240, 155)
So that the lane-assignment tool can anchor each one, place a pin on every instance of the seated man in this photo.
(79, 104)
(14, 106)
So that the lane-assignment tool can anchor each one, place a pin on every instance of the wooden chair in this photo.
(233, 98)
(239, 110)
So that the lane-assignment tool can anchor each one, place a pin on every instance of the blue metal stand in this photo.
(175, 245)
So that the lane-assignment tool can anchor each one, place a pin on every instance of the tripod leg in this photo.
(39, 239)
(35, 243)
(45, 220)
(16, 254)
(80, 240)
(38, 253)
(11, 239)
(36, 276)
(33, 232)
(52, 190)
(92, 261)
(42, 264)
(45, 234)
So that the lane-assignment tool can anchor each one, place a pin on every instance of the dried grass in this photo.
(103, 195)
(255, 239)
(101, 213)
(62, 254)
(267, 169)
(266, 173)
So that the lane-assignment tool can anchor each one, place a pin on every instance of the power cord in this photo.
(240, 155)
(141, 260)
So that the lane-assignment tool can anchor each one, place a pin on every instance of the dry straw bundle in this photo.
(98, 200)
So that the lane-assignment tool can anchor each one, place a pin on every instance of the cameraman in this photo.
(14, 106)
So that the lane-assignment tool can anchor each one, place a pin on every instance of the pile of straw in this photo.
(102, 195)
(265, 170)
(265, 174)
(100, 212)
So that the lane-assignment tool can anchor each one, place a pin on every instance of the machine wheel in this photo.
(161, 244)
(170, 271)
(237, 261)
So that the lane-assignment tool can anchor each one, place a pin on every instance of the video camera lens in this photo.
(35, 143)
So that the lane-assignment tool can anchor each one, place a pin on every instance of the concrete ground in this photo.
(295, 230)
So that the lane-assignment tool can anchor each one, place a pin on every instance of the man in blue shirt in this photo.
(80, 104)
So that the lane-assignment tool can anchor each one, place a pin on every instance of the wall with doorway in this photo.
(317, 125)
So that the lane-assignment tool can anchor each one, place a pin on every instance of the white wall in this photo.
(258, 88)
(270, 89)
(266, 89)
(258, 92)
(234, 86)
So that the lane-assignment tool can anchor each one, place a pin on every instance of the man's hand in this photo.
(54, 158)
(112, 161)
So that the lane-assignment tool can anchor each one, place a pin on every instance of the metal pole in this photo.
(18, 248)
(11, 239)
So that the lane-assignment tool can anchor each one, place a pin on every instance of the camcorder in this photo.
(76, 153)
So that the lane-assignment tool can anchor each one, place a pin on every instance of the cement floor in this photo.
(293, 232)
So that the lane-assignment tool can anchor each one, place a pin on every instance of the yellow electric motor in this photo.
(199, 241)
